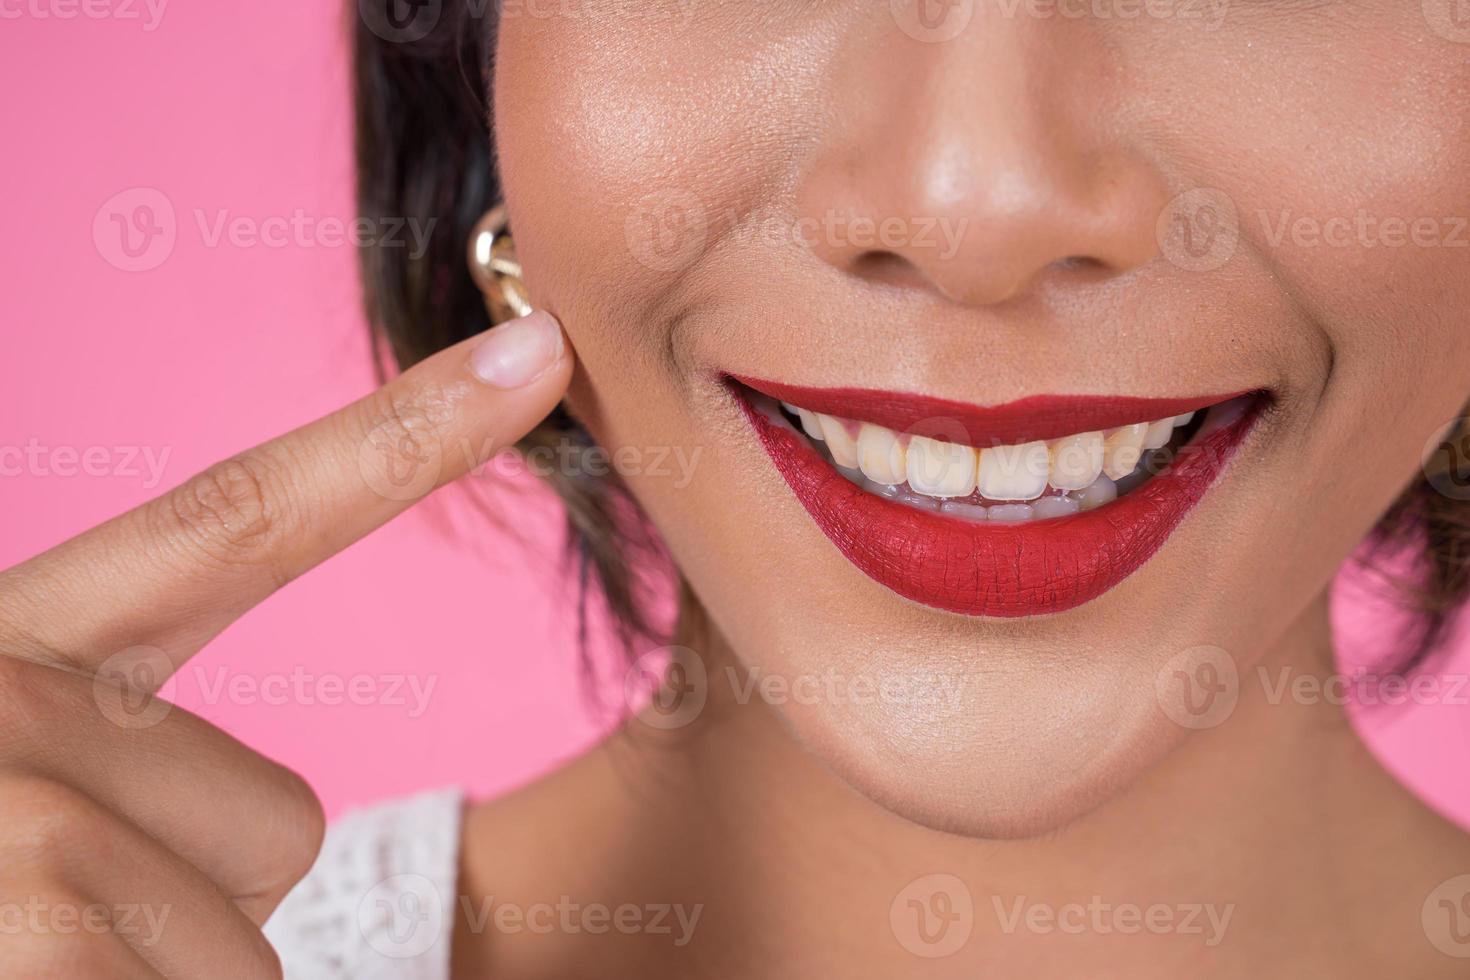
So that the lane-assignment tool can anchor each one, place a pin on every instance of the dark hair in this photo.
(1421, 547)
(425, 151)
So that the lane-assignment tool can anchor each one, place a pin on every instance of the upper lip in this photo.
(1038, 417)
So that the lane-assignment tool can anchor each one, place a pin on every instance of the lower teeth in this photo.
(1055, 503)
(1052, 504)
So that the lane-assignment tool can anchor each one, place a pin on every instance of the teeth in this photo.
(955, 508)
(1076, 461)
(1158, 434)
(940, 469)
(1014, 472)
(1012, 513)
(881, 455)
(1048, 507)
(1091, 468)
(1104, 491)
(810, 424)
(1122, 450)
(888, 490)
(840, 442)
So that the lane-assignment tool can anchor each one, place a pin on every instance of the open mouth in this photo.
(1032, 507)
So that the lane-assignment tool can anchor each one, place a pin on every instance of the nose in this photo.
(979, 166)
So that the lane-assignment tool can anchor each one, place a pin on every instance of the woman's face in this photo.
(1073, 204)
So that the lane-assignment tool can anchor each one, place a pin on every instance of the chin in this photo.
(988, 747)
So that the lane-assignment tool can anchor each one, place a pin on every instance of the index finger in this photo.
(177, 570)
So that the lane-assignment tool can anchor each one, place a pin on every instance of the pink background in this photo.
(242, 109)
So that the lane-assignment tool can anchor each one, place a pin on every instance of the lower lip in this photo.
(1000, 570)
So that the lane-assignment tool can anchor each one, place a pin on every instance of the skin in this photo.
(1083, 133)
(1057, 773)
(800, 829)
(112, 799)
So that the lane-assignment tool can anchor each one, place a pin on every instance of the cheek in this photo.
(619, 147)
(1349, 176)
(1372, 240)
(624, 148)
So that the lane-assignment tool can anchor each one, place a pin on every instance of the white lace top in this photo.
(378, 904)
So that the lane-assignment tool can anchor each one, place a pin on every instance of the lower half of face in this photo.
(984, 371)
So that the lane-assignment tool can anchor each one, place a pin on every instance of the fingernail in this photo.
(516, 352)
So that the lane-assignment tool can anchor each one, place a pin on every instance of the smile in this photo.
(1033, 507)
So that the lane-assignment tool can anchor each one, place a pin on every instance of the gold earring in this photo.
(495, 268)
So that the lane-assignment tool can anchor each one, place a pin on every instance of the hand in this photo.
(114, 807)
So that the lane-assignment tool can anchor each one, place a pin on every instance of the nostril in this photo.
(888, 268)
(1079, 262)
(1081, 269)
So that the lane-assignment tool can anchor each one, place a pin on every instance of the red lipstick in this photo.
(1026, 420)
(999, 569)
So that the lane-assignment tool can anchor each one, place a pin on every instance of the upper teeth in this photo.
(947, 470)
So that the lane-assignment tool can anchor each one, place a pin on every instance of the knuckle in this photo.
(299, 826)
(250, 954)
(69, 954)
(18, 690)
(233, 512)
(28, 704)
(410, 409)
(36, 944)
(403, 423)
(48, 824)
(18, 639)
